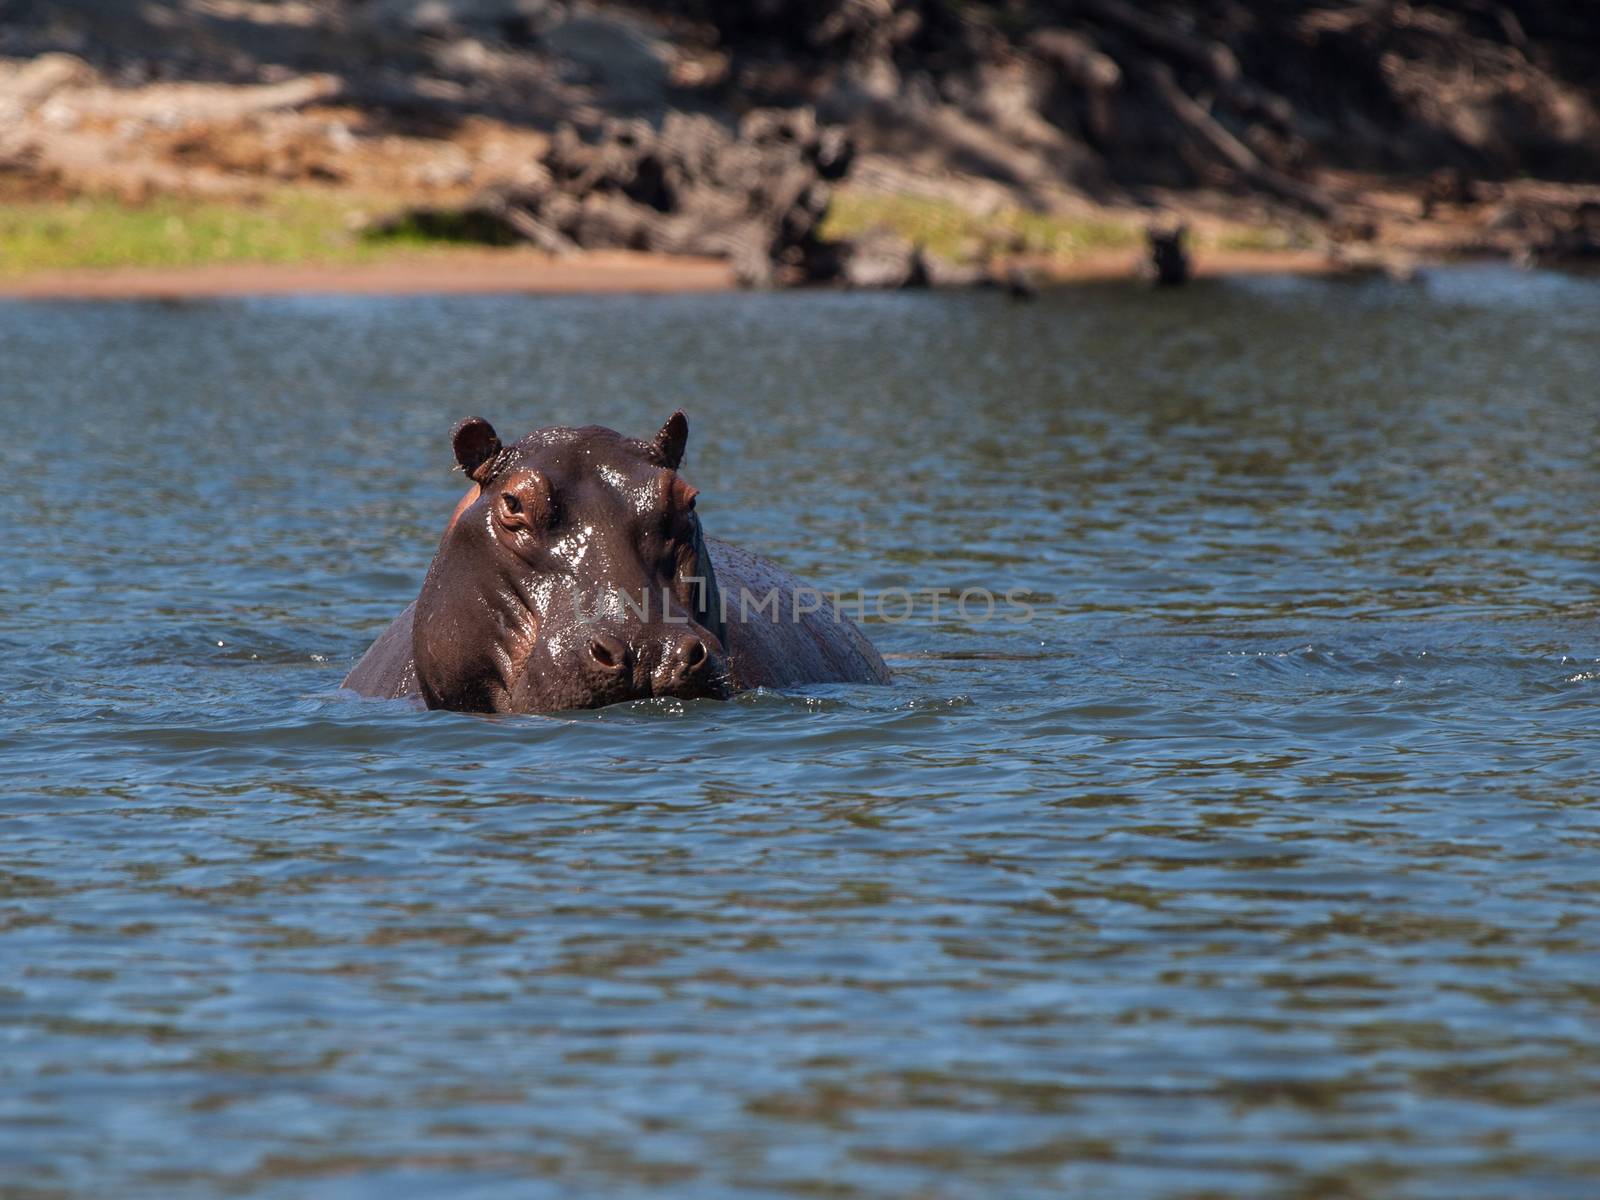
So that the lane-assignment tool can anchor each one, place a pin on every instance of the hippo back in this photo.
(768, 646)
(388, 670)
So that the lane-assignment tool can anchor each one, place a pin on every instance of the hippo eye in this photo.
(680, 495)
(524, 502)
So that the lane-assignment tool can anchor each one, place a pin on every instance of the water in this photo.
(1260, 862)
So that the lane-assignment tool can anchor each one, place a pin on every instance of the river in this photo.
(1252, 853)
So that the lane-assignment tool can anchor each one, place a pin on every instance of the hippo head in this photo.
(573, 575)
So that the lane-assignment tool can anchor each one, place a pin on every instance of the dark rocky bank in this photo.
(722, 126)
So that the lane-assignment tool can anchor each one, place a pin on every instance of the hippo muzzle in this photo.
(678, 661)
(678, 665)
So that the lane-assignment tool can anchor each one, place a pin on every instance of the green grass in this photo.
(298, 227)
(952, 232)
(176, 232)
(1261, 237)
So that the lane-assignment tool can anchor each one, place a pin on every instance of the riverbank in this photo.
(333, 145)
(467, 271)
(62, 241)
(65, 244)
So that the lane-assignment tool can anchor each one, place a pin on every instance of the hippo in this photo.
(574, 574)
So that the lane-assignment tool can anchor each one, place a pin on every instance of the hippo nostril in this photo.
(689, 657)
(608, 653)
(695, 655)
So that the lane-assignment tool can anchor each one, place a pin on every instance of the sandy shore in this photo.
(464, 271)
(511, 271)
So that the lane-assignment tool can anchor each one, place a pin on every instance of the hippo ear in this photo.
(674, 436)
(475, 443)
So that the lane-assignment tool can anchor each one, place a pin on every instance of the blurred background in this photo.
(1259, 863)
(870, 141)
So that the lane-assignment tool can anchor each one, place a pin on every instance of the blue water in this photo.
(1261, 861)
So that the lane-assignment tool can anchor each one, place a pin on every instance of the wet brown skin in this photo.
(574, 574)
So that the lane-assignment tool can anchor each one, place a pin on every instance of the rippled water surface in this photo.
(1263, 861)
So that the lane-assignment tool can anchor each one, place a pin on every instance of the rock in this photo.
(882, 259)
(514, 21)
(616, 52)
(34, 82)
(1169, 257)
(878, 259)
(919, 272)
(1572, 236)
(1019, 285)
(30, 85)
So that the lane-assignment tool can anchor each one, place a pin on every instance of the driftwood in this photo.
(546, 237)
(1084, 65)
(1212, 57)
(1234, 154)
(755, 195)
